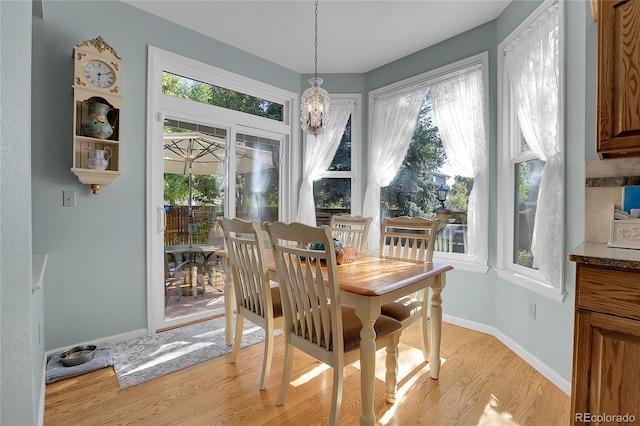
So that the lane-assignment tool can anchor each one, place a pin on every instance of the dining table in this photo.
(367, 283)
(192, 250)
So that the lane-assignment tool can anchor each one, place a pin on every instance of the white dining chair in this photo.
(313, 322)
(351, 231)
(257, 298)
(411, 238)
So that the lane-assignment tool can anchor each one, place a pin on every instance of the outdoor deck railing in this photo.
(451, 239)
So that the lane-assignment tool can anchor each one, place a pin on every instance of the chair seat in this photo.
(351, 326)
(403, 308)
(275, 298)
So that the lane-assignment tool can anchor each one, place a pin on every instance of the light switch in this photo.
(68, 198)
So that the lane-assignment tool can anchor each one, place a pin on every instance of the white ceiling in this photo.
(354, 36)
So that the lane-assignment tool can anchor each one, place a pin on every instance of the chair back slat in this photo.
(411, 238)
(308, 284)
(246, 259)
(351, 231)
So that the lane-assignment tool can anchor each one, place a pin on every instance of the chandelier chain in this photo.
(315, 63)
(315, 102)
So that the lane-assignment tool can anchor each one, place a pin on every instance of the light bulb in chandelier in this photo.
(314, 108)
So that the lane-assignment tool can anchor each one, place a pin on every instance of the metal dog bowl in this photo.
(78, 355)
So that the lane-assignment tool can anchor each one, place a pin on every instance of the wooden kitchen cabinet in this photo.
(618, 117)
(606, 353)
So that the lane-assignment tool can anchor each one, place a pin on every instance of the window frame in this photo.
(356, 149)
(509, 154)
(460, 261)
(160, 104)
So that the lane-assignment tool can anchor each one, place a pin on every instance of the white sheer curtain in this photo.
(318, 154)
(394, 121)
(533, 64)
(458, 106)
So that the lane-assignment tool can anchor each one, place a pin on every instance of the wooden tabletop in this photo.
(374, 275)
(197, 248)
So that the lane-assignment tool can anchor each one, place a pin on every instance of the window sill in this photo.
(460, 262)
(530, 284)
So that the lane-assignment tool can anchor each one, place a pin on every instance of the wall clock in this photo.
(99, 74)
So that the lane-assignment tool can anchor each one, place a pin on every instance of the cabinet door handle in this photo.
(162, 219)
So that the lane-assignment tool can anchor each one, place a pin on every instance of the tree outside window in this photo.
(413, 192)
(332, 193)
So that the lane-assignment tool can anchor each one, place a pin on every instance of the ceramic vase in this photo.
(97, 124)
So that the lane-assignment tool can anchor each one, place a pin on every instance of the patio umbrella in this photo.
(202, 154)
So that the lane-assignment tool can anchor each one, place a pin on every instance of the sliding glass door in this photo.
(218, 144)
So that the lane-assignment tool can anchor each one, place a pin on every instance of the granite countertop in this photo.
(600, 255)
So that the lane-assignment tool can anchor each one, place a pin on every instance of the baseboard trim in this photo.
(112, 339)
(541, 367)
(43, 391)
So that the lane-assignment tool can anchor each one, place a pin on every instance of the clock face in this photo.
(99, 74)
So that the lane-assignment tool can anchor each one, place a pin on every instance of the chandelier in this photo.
(314, 106)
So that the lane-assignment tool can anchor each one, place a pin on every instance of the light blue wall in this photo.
(96, 279)
(21, 350)
(95, 283)
(486, 299)
(468, 295)
(553, 327)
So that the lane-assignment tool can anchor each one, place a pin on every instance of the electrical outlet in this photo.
(532, 310)
(68, 198)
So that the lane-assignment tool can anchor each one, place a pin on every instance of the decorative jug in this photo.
(97, 124)
(97, 159)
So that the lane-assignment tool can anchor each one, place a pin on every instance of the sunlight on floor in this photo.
(310, 375)
(173, 354)
(493, 416)
(411, 369)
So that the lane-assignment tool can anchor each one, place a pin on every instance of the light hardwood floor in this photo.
(482, 382)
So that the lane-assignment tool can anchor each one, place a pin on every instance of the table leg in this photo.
(367, 365)
(228, 302)
(205, 271)
(194, 281)
(391, 376)
(436, 326)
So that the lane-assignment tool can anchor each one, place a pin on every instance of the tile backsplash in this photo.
(603, 187)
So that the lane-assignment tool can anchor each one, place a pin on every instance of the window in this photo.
(333, 192)
(186, 88)
(446, 148)
(331, 165)
(531, 154)
(257, 178)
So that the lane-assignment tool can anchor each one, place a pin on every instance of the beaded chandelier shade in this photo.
(314, 106)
